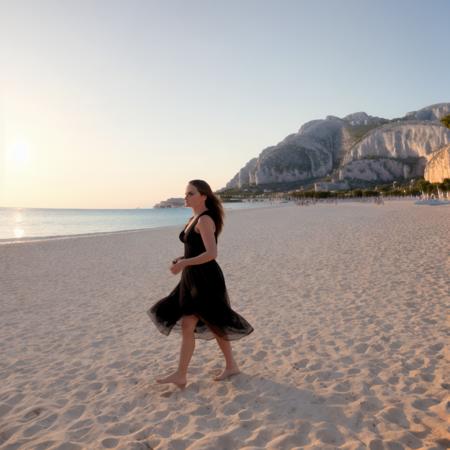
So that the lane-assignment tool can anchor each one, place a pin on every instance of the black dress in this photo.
(201, 292)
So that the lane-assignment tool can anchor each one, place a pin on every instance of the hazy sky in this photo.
(116, 104)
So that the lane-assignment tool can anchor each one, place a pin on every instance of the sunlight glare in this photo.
(18, 153)
(19, 232)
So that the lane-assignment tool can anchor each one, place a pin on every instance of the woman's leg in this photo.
(231, 367)
(188, 324)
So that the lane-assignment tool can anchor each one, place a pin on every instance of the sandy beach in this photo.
(350, 350)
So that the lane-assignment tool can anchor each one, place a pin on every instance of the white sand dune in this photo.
(350, 349)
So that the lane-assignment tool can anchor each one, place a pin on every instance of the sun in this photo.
(18, 154)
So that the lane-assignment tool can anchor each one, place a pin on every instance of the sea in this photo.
(24, 224)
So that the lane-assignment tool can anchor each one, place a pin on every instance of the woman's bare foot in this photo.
(227, 372)
(175, 378)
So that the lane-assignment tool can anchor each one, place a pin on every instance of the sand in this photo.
(350, 349)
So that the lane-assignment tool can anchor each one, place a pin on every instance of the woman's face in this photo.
(193, 198)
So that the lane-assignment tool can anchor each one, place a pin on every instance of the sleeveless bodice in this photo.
(193, 242)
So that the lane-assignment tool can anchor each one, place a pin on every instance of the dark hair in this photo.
(213, 203)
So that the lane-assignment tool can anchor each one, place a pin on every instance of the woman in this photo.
(199, 305)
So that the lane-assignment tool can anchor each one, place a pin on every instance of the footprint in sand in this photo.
(419, 390)
(196, 436)
(31, 415)
(371, 404)
(48, 421)
(126, 407)
(181, 421)
(201, 411)
(397, 416)
(167, 394)
(110, 443)
(411, 441)
(342, 387)
(231, 408)
(427, 376)
(346, 360)
(444, 443)
(395, 345)
(314, 366)
(394, 379)
(377, 347)
(143, 434)
(91, 376)
(424, 404)
(328, 375)
(111, 387)
(74, 412)
(259, 356)
(376, 444)
(413, 365)
(95, 386)
(300, 364)
(122, 429)
(330, 435)
(107, 418)
(81, 395)
(361, 348)
(245, 414)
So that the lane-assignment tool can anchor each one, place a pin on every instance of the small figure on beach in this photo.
(199, 306)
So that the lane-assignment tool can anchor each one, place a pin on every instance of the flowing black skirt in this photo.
(200, 292)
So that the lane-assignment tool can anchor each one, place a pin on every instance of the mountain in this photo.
(438, 167)
(433, 112)
(355, 147)
(171, 203)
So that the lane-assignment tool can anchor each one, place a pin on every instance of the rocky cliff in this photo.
(412, 139)
(433, 112)
(393, 151)
(438, 167)
(357, 146)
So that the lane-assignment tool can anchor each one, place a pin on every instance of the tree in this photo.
(445, 185)
(425, 186)
(446, 121)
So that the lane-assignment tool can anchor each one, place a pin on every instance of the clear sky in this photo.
(117, 104)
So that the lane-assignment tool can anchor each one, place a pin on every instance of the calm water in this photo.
(23, 223)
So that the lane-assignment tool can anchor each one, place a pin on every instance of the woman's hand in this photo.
(174, 261)
(178, 266)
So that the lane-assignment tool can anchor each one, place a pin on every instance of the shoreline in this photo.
(25, 240)
(28, 240)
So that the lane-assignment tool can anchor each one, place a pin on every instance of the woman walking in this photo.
(199, 305)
